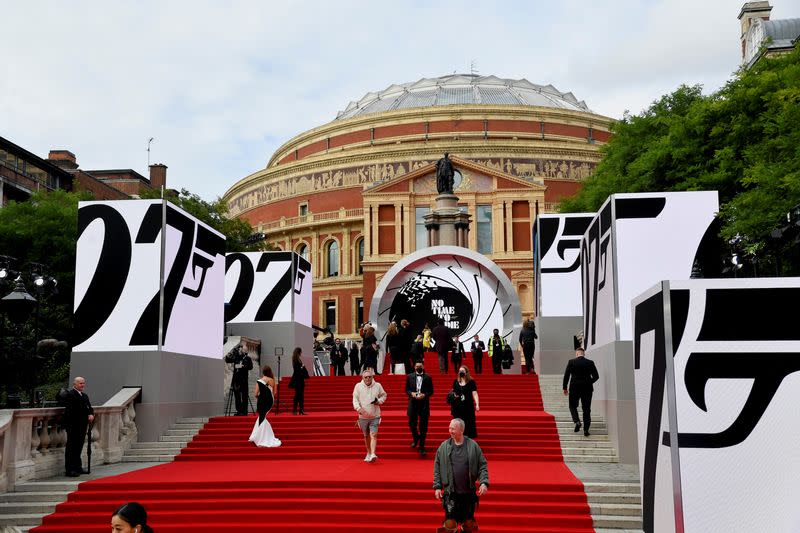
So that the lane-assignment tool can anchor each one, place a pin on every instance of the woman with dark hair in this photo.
(262, 434)
(355, 363)
(393, 350)
(466, 402)
(298, 381)
(130, 518)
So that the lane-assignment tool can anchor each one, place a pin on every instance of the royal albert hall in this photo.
(350, 195)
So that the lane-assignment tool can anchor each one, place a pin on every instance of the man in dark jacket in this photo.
(527, 341)
(442, 341)
(78, 414)
(477, 347)
(581, 375)
(242, 365)
(340, 351)
(419, 389)
(458, 467)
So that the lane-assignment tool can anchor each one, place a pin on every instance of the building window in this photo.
(302, 251)
(333, 259)
(484, 227)
(421, 232)
(359, 313)
(330, 314)
(360, 256)
(303, 209)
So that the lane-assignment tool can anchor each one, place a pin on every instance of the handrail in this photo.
(311, 218)
(32, 440)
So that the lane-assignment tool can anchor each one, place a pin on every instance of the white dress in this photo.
(262, 434)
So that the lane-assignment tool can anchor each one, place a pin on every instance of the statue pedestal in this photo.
(447, 225)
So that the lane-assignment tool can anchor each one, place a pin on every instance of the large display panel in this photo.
(148, 276)
(267, 287)
(636, 240)
(557, 263)
(717, 377)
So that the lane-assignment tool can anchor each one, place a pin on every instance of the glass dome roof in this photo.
(460, 89)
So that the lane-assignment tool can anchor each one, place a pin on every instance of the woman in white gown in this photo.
(262, 434)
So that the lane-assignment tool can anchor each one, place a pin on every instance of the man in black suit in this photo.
(442, 342)
(477, 349)
(581, 375)
(78, 414)
(242, 365)
(419, 389)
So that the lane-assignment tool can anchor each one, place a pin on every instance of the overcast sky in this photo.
(221, 85)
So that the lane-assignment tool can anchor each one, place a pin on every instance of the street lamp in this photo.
(17, 307)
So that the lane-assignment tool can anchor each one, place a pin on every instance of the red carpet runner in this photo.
(318, 481)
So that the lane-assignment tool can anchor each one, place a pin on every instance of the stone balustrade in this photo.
(32, 441)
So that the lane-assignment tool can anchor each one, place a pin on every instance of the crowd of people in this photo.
(460, 469)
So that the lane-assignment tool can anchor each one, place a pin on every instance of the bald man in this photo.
(78, 414)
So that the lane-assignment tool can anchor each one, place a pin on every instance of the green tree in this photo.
(743, 141)
(237, 231)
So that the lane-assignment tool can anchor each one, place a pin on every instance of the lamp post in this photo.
(17, 307)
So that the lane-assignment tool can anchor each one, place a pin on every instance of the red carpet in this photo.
(318, 479)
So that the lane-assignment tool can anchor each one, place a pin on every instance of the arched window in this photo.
(302, 251)
(333, 259)
(360, 256)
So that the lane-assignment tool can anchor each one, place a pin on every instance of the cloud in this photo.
(222, 85)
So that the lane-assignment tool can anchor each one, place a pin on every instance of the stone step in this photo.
(147, 458)
(161, 444)
(594, 487)
(612, 497)
(617, 522)
(152, 451)
(174, 438)
(180, 432)
(196, 420)
(42, 496)
(591, 458)
(587, 451)
(616, 509)
(20, 520)
(46, 486)
(27, 508)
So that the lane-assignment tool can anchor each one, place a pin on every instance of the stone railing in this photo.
(341, 214)
(32, 440)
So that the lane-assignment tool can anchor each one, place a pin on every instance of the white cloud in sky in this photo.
(222, 85)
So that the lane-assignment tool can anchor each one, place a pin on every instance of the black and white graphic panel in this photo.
(264, 287)
(116, 274)
(635, 241)
(598, 281)
(736, 384)
(194, 284)
(656, 238)
(557, 248)
(118, 297)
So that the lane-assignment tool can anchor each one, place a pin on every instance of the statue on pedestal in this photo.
(444, 175)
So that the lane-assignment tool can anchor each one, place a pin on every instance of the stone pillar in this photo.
(398, 239)
(509, 226)
(446, 224)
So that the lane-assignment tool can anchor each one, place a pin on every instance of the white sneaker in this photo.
(368, 458)
(373, 458)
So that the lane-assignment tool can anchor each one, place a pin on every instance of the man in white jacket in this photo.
(368, 395)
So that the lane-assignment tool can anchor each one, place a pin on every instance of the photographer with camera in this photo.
(368, 395)
(242, 365)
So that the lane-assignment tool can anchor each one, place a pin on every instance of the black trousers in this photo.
(584, 395)
(240, 395)
(418, 416)
(477, 359)
(497, 362)
(76, 435)
(443, 362)
(456, 362)
(299, 399)
(464, 508)
(527, 350)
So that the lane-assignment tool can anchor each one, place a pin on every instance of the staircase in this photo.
(615, 501)
(30, 502)
(169, 444)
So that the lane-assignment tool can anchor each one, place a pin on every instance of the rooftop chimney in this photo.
(158, 175)
(63, 158)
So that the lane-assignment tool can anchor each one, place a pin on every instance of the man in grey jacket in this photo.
(458, 467)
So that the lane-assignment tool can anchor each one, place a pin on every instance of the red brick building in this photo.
(350, 194)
